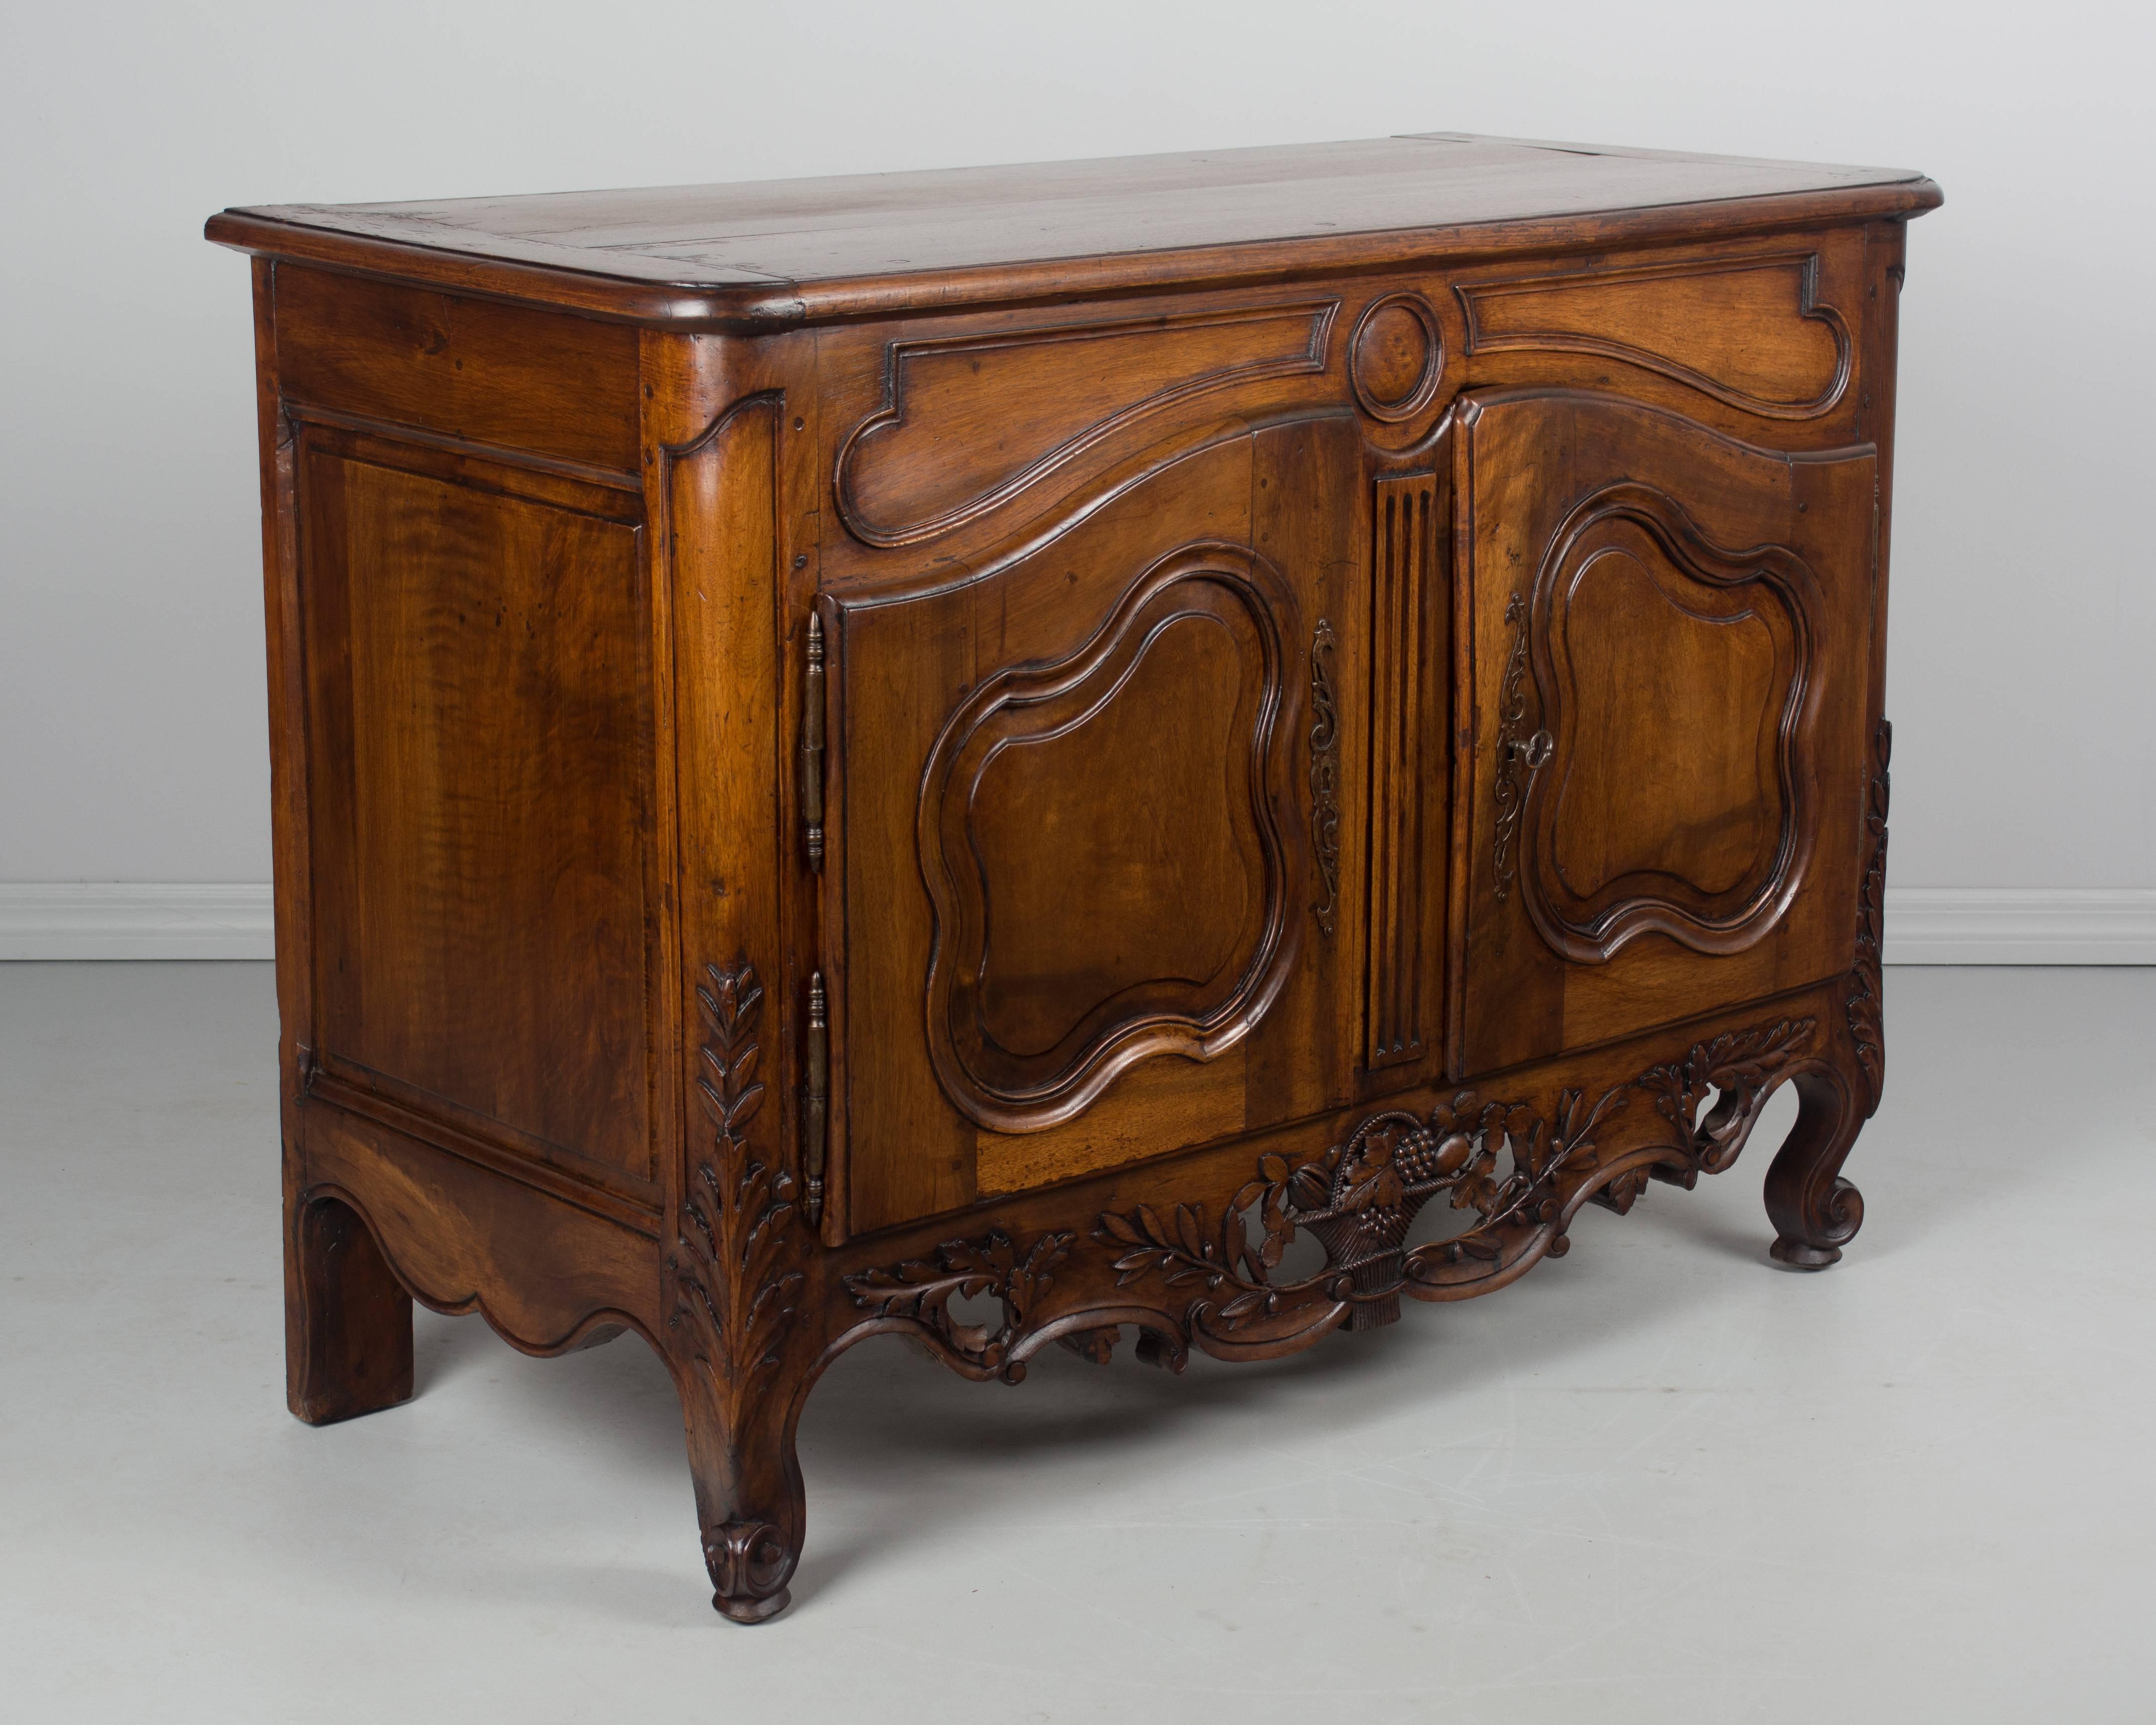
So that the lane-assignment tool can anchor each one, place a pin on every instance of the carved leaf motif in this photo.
(1520, 1171)
(1743, 1065)
(921, 1292)
(1866, 980)
(734, 1292)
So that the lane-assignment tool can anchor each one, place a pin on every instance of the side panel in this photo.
(479, 695)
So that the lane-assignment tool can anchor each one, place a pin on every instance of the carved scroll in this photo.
(1519, 758)
(1324, 774)
(917, 1294)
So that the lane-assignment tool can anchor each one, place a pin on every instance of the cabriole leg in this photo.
(1815, 1213)
(347, 1319)
(749, 1504)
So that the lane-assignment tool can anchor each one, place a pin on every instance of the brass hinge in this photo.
(816, 1098)
(812, 745)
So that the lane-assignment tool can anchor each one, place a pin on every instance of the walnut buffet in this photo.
(844, 746)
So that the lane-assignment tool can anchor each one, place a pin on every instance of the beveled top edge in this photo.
(771, 253)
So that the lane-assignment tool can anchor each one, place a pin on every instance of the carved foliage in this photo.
(1501, 1160)
(1865, 981)
(1520, 757)
(734, 1296)
(1325, 774)
(1741, 1065)
(1519, 1173)
(920, 1293)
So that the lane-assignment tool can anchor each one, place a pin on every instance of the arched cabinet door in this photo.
(1079, 877)
(1667, 673)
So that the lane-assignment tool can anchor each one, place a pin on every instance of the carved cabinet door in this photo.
(1086, 863)
(1667, 675)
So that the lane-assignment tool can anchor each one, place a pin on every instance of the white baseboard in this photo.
(154, 920)
(1925, 925)
(2032, 925)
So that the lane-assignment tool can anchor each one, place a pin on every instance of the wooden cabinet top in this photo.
(766, 254)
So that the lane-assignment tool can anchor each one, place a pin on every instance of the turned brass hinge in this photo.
(812, 745)
(816, 1098)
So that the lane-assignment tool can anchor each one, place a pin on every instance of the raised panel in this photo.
(474, 371)
(968, 422)
(1100, 841)
(1667, 673)
(1674, 682)
(478, 725)
(1748, 331)
(1081, 910)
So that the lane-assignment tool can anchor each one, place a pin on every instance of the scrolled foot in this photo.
(750, 1565)
(1816, 1212)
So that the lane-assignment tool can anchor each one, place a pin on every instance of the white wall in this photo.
(131, 710)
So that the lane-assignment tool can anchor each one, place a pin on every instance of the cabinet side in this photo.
(470, 898)
(288, 777)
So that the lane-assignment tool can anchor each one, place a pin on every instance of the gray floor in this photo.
(1659, 1480)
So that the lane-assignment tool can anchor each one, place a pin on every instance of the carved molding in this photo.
(1592, 929)
(1369, 395)
(1522, 1174)
(1407, 767)
(1866, 980)
(1737, 1067)
(1482, 301)
(1324, 774)
(1293, 343)
(916, 1295)
(1520, 758)
(1012, 1093)
(734, 1293)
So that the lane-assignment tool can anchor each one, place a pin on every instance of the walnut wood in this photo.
(347, 1319)
(841, 750)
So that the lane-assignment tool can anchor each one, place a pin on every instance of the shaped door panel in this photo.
(1073, 839)
(1670, 643)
